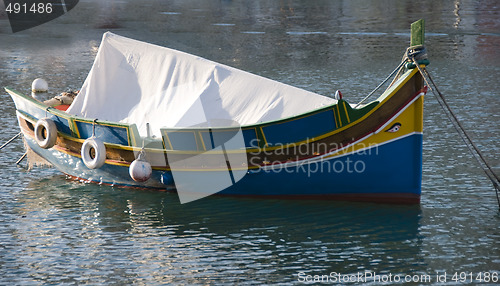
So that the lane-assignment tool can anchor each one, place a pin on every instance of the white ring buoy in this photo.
(45, 133)
(93, 153)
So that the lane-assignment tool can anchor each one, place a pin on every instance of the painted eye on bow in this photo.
(394, 128)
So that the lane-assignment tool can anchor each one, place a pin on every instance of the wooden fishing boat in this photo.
(152, 117)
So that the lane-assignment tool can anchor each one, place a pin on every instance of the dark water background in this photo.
(56, 231)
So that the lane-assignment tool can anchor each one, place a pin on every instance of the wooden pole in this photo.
(10, 140)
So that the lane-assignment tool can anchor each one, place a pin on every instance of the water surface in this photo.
(56, 231)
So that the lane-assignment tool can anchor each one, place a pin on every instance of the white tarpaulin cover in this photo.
(137, 82)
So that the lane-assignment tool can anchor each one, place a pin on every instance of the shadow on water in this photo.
(241, 235)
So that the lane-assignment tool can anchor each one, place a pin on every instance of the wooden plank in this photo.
(417, 33)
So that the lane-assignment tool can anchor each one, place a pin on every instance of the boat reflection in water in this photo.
(86, 226)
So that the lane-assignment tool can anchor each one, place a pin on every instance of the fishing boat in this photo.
(152, 117)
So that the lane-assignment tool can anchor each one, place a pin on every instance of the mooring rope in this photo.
(410, 52)
(476, 153)
(382, 83)
(94, 122)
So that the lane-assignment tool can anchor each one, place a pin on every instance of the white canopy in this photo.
(137, 82)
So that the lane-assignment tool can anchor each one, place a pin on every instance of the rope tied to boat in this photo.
(418, 52)
(398, 68)
(416, 57)
(94, 122)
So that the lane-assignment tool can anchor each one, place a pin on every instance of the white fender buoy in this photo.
(93, 153)
(45, 133)
(39, 85)
(338, 95)
(140, 170)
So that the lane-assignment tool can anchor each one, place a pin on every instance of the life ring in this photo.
(93, 153)
(45, 133)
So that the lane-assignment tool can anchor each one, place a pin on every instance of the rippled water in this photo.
(56, 231)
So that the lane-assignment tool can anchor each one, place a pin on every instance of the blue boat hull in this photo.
(389, 172)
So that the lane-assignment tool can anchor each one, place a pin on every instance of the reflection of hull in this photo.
(293, 220)
(85, 225)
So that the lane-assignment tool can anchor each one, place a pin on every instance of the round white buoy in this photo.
(140, 169)
(39, 85)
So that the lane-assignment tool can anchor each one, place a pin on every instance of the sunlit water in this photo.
(56, 231)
